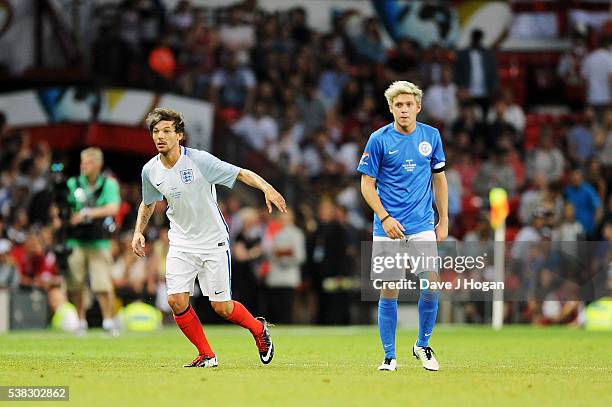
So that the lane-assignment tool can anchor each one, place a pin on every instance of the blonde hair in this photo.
(403, 87)
(95, 153)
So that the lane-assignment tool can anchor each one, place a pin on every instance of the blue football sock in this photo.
(428, 311)
(387, 323)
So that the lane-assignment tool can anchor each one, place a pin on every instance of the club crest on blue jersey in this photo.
(425, 148)
(187, 176)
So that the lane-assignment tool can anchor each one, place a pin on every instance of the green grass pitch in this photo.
(518, 366)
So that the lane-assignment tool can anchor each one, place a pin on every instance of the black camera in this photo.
(91, 229)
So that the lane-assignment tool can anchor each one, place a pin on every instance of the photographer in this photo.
(94, 200)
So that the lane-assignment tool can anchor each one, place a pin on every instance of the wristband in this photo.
(384, 219)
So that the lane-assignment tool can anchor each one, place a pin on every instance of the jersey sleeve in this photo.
(371, 158)
(213, 169)
(149, 193)
(438, 159)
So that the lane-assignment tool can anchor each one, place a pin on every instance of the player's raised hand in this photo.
(274, 197)
(393, 228)
(138, 244)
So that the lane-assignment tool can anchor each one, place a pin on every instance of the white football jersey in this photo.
(196, 222)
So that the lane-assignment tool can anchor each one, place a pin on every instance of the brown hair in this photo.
(161, 114)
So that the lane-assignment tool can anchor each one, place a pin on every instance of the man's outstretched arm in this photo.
(271, 195)
(144, 214)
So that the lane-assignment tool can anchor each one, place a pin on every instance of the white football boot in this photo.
(426, 356)
(388, 364)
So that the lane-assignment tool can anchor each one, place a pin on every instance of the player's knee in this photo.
(222, 308)
(389, 293)
(177, 304)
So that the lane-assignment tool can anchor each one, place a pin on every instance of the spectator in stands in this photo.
(495, 172)
(541, 194)
(18, 228)
(332, 82)
(162, 62)
(467, 166)
(310, 107)
(233, 85)
(247, 253)
(293, 123)
(480, 240)
(594, 175)
(362, 118)
(318, 158)
(431, 68)
(35, 269)
(530, 233)
(476, 71)
(469, 122)
(129, 272)
(237, 35)
(327, 261)
(570, 72)
(286, 251)
(597, 71)
(580, 140)
(300, 32)
(9, 276)
(455, 187)
(585, 199)
(440, 99)
(559, 306)
(350, 152)
(182, 17)
(603, 143)
(201, 57)
(546, 158)
(259, 129)
(510, 112)
(569, 230)
(3, 125)
(403, 62)
(368, 45)
(286, 153)
(499, 129)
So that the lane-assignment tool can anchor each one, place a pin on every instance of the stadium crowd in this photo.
(307, 101)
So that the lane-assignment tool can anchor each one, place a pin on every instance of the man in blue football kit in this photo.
(402, 162)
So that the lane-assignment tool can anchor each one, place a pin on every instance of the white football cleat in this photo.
(426, 355)
(388, 364)
(204, 361)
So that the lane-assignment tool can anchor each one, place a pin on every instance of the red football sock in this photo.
(241, 316)
(190, 324)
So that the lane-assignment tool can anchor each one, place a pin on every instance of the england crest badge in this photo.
(187, 176)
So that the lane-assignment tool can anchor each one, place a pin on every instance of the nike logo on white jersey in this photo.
(218, 292)
(393, 152)
(159, 184)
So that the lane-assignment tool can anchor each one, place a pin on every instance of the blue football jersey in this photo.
(403, 165)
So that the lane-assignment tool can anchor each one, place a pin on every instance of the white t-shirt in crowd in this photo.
(596, 69)
(477, 76)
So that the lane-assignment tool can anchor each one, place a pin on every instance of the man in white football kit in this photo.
(199, 236)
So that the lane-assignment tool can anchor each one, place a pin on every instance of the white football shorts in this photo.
(420, 248)
(213, 270)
